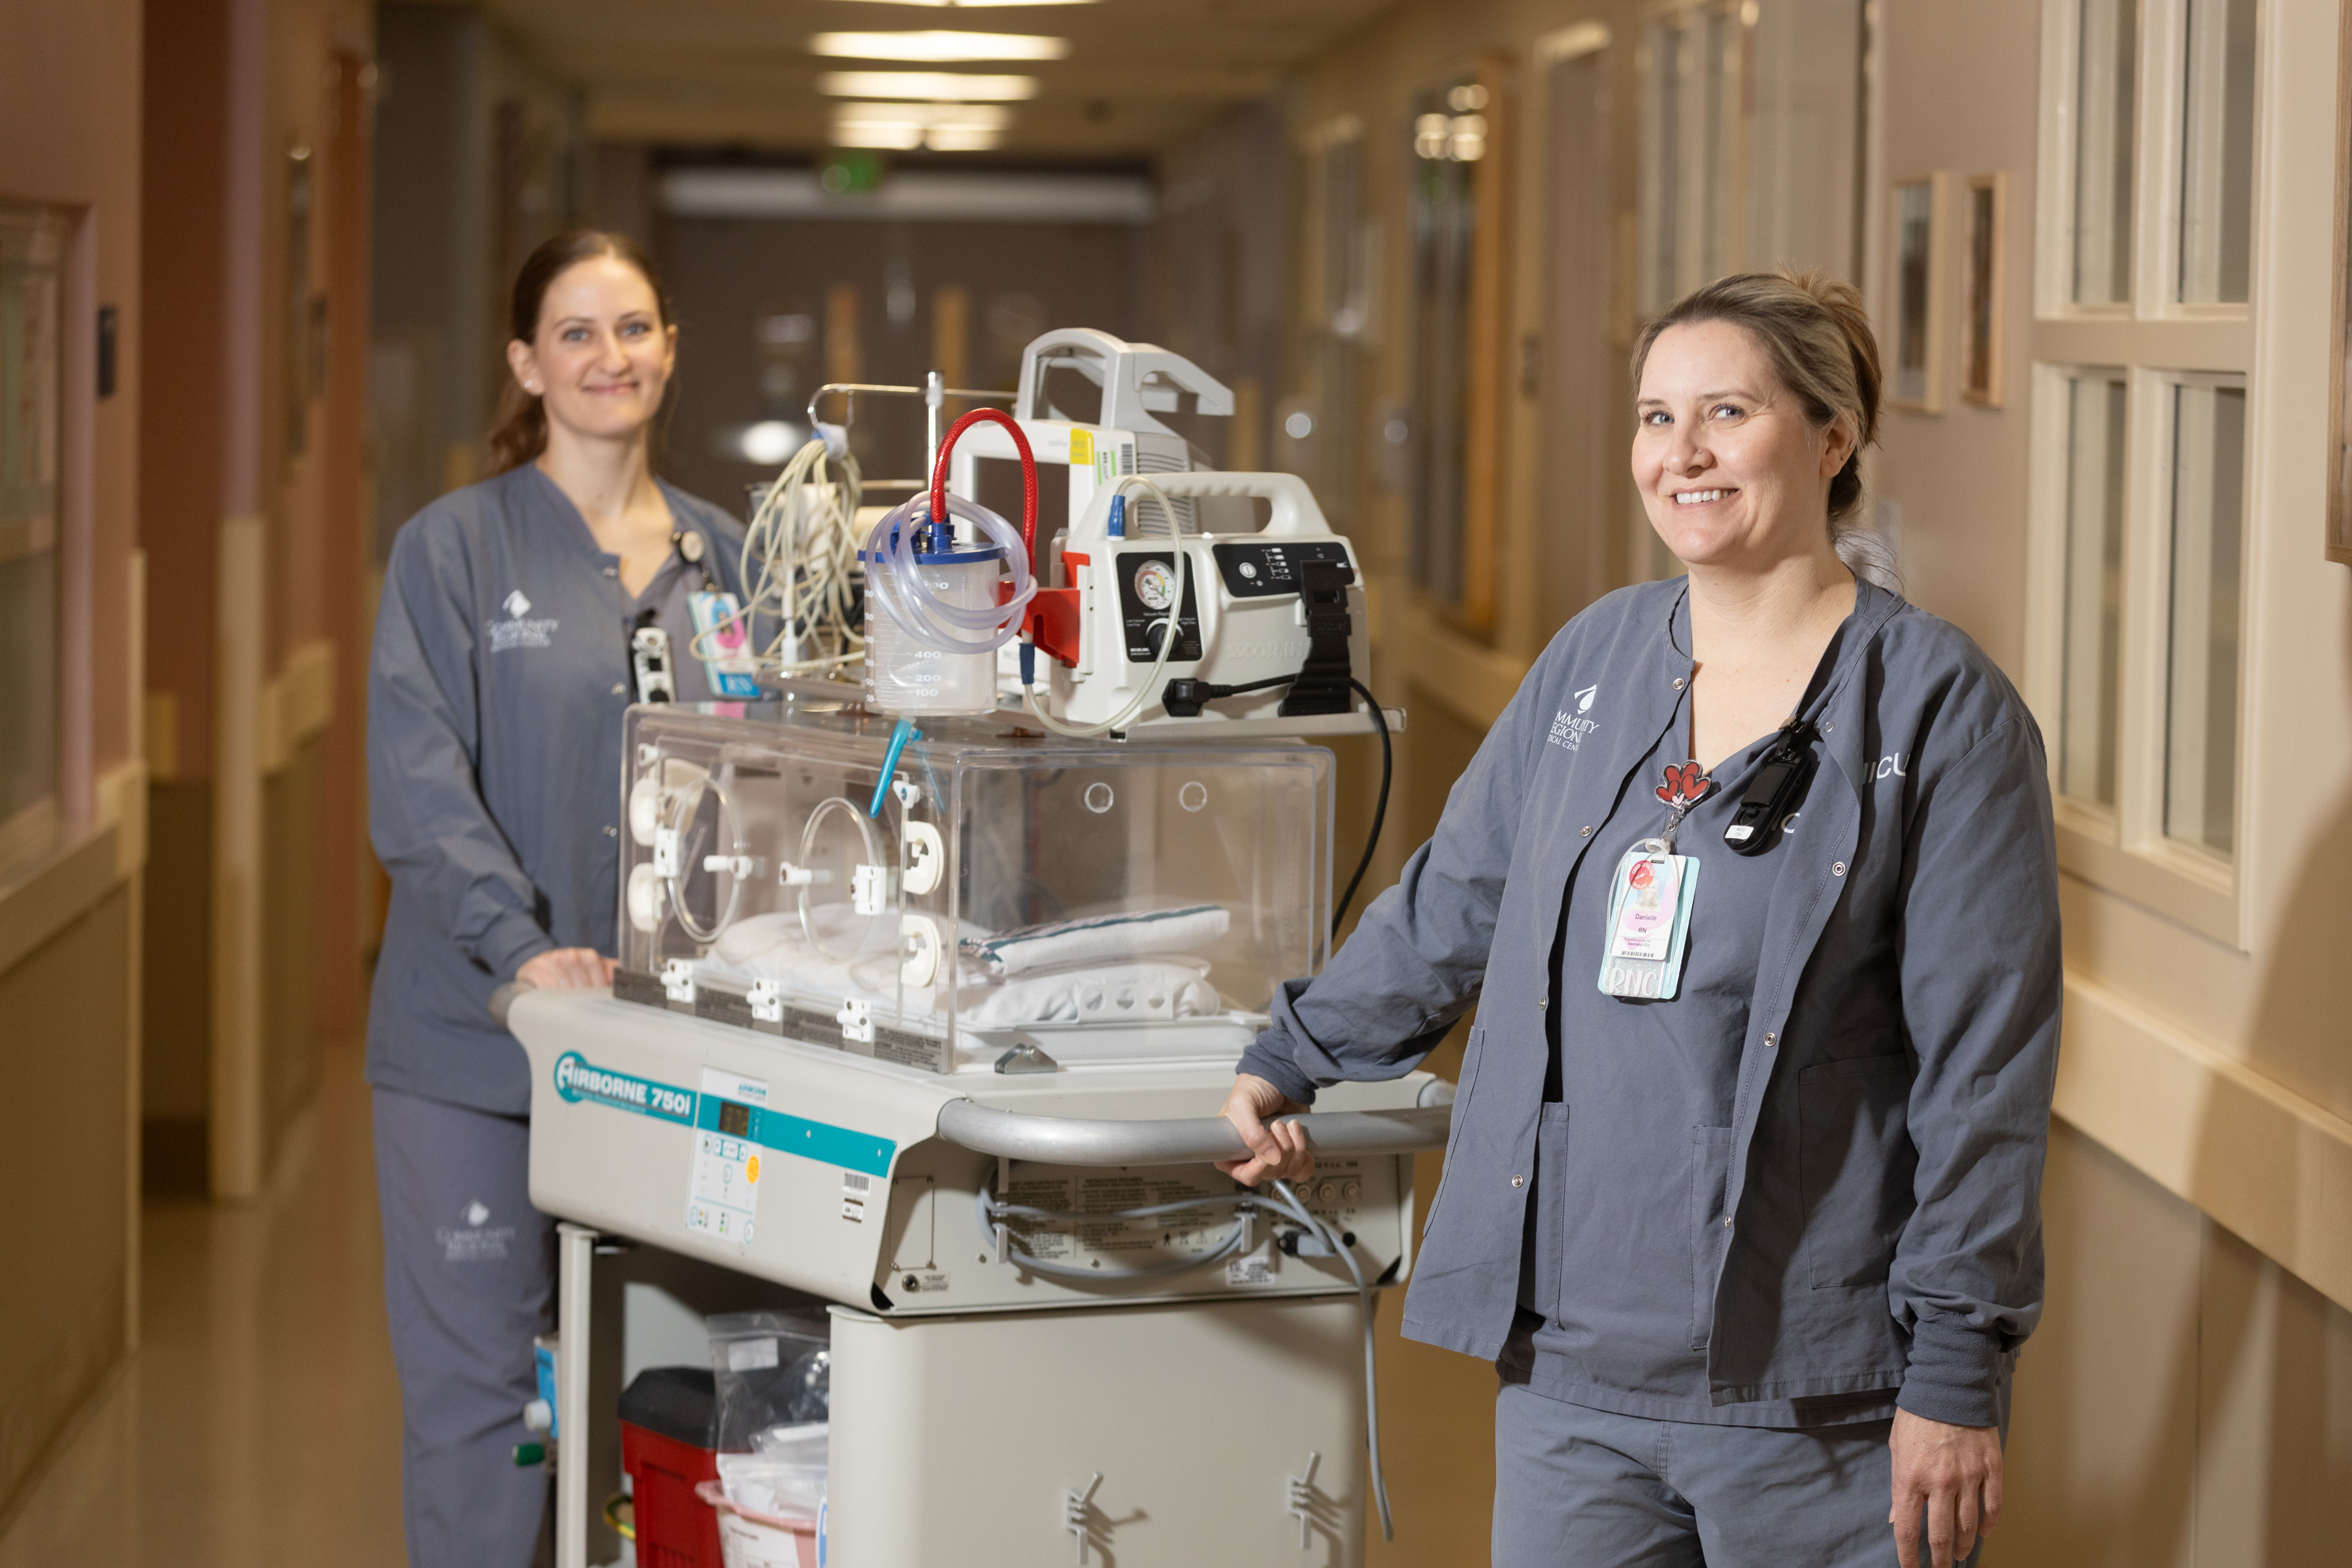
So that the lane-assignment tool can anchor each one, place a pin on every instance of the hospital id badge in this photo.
(1650, 897)
(722, 637)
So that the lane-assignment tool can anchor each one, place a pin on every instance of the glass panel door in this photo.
(2217, 152)
(2209, 469)
(2104, 104)
(32, 249)
(2095, 571)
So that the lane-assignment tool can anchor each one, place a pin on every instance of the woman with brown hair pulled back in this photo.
(1755, 889)
(501, 669)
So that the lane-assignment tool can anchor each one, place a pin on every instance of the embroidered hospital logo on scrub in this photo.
(478, 1241)
(519, 631)
(1569, 729)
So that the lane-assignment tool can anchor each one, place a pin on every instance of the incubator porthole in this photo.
(1194, 796)
(1099, 797)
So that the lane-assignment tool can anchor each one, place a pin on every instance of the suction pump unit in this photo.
(1139, 588)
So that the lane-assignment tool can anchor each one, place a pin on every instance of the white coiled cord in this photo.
(800, 564)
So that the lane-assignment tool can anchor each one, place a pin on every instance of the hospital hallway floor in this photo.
(259, 1424)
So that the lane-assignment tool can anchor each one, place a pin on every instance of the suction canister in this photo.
(907, 671)
(948, 583)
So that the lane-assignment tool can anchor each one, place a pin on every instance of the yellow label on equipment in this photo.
(1082, 448)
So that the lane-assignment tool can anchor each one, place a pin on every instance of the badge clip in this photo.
(1779, 784)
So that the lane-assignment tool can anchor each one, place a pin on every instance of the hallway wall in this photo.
(254, 175)
(69, 899)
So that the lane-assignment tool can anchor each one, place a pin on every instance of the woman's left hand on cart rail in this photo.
(567, 969)
(1276, 1148)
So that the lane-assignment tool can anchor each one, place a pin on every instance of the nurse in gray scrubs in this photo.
(1754, 887)
(501, 671)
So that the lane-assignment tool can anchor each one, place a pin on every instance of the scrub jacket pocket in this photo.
(1855, 1161)
(1710, 1150)
(1470, 1054)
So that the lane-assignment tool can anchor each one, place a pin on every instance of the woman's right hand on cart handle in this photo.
(1277, 1148)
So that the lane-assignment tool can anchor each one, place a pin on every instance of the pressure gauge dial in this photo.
(1155, 584)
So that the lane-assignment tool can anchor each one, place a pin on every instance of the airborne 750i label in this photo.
(576, 1078)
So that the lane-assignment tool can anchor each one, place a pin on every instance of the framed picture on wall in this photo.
(1915, 376)
(1984, 235)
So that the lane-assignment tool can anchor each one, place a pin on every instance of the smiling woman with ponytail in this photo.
(1743, 1194)
(496, 690)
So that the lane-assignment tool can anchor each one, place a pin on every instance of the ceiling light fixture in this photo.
(976, 116)
(978, 3)
(942, 87)
(938, 45)
(942, 127)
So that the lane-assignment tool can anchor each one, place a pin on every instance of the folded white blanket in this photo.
(1060, 945)
(1163, 987)
(1160, 988)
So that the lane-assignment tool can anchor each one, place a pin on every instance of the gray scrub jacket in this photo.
(1895, 1082)
(495, 690)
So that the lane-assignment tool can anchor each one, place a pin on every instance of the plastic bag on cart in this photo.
(784, 1474)
(769, 1369)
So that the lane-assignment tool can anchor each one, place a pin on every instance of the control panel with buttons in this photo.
(1259, 568)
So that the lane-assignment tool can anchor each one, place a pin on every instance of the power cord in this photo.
(1380, 810)
(1185, 696)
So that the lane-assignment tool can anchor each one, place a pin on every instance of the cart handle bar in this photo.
(1080, 1140)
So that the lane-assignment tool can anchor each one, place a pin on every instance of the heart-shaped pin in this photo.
(1687, 784)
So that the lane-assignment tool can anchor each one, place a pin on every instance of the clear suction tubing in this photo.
(945, 601)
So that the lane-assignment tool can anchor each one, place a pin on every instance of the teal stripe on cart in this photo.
(818, 1140)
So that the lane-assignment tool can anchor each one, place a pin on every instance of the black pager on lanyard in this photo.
(649, 660)
(1773, 792)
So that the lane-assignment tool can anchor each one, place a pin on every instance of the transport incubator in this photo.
(929, 1020)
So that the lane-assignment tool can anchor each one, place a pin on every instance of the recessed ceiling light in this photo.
(958, 139)
(939, 46)
(943, 127)
(968, 116)
(892, 137)
(945, 86)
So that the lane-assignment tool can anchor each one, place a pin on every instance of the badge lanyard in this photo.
(1650, 897)
(722, 633)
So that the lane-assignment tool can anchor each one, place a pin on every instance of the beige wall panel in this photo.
(2101, 1447)
(62, 1055)
(291, 958)
(1959, 87)
(2274, 1436)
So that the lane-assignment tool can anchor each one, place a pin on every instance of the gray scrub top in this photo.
(1613, 1329)
(496, 688)
(1881, 1156)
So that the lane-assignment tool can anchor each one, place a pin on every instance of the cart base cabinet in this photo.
(974, 1441)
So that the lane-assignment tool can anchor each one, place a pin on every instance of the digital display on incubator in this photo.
(734, 1121)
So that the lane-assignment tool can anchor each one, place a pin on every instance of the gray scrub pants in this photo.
(469, 1277)
(1579, 1487)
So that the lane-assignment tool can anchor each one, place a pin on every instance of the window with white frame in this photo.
(2143, 343)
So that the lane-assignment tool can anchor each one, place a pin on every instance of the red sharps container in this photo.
(669, 1444)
